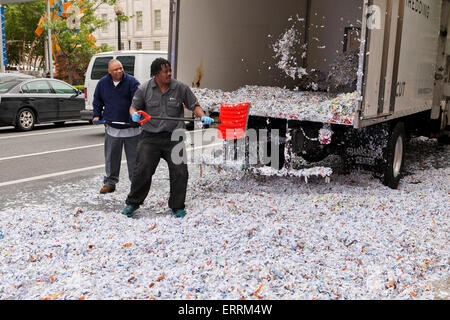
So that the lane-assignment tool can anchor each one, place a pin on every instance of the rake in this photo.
(232, 122)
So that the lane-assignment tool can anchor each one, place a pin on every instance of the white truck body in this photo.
(226, 45)
(401, 68)
(403, 77)
(135, 62)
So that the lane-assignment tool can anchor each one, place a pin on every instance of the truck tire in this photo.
(25, 120)
(394, 156)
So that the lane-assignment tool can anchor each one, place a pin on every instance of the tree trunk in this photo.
(21, 54)
(70, 75)
(31, 53)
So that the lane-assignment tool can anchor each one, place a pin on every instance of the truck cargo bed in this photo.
(279, 103)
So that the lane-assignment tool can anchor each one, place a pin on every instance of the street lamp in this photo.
(129, 42)
(119, 11)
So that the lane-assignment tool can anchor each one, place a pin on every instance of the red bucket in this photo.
(233, 121)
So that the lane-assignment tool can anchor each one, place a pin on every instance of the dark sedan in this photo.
(25, 102)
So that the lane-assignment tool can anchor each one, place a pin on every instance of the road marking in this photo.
(26, 135)
(51, 151)
(71, 149)
(51, 175)
(62, 173)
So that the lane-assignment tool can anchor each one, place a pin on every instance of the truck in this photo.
(400, 76)
(135, 62)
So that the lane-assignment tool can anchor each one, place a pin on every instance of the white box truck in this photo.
(401, 82)
(135, 62)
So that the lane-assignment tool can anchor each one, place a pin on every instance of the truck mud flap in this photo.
(366, 147)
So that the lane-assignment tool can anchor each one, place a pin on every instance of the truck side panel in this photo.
(225, 44)
(228, 44)
(401, 55)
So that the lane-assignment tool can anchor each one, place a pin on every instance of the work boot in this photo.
(179, 213)
(107, 189)
(129, 210)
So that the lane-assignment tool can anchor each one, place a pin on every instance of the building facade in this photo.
(147, 29)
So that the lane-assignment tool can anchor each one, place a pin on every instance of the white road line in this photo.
(68, 149)
(26, 135)
(51, 151)
(51, 175)
(62, 173)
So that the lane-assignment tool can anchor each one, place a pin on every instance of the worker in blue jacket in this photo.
(112, 100)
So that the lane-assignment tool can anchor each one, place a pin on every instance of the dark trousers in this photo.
(151, 148)
(113, 157)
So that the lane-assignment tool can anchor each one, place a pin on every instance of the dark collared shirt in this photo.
(150, 99)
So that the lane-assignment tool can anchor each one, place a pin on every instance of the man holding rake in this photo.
(161, 96)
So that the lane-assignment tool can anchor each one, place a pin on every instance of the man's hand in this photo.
(207, 120)
(95, 119)
(136, 117)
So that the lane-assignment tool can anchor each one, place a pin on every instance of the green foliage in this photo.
(21, 20)
(76, 45)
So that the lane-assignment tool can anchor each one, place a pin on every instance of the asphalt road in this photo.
(49, 155)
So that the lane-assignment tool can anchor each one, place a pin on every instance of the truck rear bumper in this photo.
(86, 114)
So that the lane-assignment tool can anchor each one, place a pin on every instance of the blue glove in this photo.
(207, 120)
(136, 117)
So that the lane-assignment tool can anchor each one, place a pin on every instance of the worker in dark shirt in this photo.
(112, 100)
(164, 97)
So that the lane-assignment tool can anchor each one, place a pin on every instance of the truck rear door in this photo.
(400, 58)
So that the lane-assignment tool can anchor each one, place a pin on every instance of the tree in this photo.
(72, 27)
(23, 47)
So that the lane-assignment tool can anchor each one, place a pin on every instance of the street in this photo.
(245, 235)
(33, 159)
(319, 169)
(46, 155)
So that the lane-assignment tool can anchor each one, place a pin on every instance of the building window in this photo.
(139, 21)
(138, 45)
(122, 47)
(105, 19)
(157, 19)
(157, 45)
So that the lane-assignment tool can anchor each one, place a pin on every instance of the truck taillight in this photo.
(85, 93)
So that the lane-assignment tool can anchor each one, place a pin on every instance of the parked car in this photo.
(25, 102)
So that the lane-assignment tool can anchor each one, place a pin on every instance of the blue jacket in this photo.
(113, 103)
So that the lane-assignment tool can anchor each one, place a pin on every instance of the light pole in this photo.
(119, 11)
(2, 53)
(50, 54)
